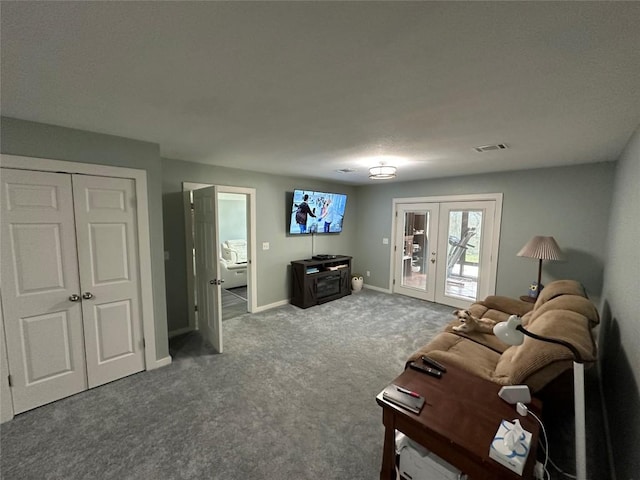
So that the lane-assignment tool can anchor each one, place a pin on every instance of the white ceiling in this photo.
(307, 88)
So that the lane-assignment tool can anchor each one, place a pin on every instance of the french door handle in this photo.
(215, 281)
(74, 298)
(87, 295)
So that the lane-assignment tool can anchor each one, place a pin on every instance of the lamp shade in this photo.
(543, 248)
(508, 331)
(382, 172)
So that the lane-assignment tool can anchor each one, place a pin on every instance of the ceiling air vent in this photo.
(346, 170)
(488, 148)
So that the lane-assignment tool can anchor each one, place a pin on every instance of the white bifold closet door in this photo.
(70, 283)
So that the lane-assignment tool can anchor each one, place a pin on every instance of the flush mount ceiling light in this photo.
(382, 172)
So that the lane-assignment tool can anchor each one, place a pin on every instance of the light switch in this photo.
(265, 245)
(166, 255)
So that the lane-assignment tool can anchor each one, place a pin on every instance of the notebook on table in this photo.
(400, 396)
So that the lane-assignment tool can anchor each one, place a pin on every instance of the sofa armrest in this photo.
(229, 255)
(508, 305)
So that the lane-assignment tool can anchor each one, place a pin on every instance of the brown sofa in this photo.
(561, 311)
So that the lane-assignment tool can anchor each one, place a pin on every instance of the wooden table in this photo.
(528, 299)
(458, 423)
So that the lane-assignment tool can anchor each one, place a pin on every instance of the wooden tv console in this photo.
(316, 281)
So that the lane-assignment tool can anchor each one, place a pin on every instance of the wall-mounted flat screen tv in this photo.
(316, 212)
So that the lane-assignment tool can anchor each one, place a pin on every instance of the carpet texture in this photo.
(292, 397)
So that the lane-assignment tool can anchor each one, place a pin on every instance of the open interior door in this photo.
(208, 281)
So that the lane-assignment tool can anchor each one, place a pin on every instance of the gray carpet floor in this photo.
(293, 397)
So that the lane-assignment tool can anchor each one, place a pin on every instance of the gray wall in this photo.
(232, 222)
(271, 199)
(570, 203)
(30, 139)
(620, 328)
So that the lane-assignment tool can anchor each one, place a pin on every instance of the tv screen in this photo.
(316, 212)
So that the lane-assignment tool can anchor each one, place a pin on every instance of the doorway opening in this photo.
(220, 241)
(233, 234)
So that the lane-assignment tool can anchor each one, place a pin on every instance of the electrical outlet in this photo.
(368, 273)
(265, 245)
(385, 241)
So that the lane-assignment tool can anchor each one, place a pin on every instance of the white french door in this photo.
(466, 263)
(416, 249)
(445, 251)
(207, 266)
(69, 282)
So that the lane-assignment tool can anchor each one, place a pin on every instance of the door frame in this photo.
(6, 400)
(252, 302)
(144, 238)
(472, 197)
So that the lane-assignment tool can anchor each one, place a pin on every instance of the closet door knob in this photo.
(74, 298)
(87, 295)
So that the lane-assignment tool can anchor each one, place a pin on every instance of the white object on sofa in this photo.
(233, 263)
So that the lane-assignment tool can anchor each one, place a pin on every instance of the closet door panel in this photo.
(43, 326)
(108, 261)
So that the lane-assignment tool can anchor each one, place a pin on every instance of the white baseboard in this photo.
(262, 308)
(180, 331)
(163, 362)
(377, 289)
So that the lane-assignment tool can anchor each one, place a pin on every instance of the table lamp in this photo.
(542, 248)
(512, 332)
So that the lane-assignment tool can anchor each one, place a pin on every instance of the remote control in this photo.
(432, 363)
(429, 371)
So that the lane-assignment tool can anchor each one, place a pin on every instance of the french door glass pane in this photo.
(463, 255)
(414, 256)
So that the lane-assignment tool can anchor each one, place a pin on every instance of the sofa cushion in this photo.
(237, 243)
(486, 339)
(573, 303)
(227, 254)
(451, 349)
(505, 305)
(235, 251)
(560, 287)
(536, 363)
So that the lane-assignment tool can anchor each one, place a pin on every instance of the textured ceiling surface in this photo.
(308, 88)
